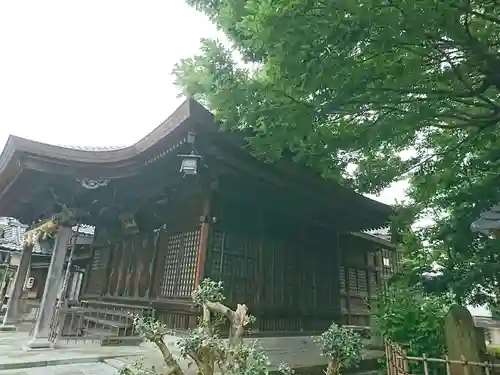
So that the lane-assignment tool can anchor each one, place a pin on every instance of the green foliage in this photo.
(206, 347)
(149, 328)
(409, 317)
(342, 347)
(249, 360)
(369, 92)
(208, 290)
(5, 268)
(137, 368)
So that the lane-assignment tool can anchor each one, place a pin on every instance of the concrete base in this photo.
(38, 344)
(8, 328)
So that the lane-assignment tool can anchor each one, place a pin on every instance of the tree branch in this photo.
(238, 319)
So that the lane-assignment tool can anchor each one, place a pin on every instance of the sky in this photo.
(96, 72)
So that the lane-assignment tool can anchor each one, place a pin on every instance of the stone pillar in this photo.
(52, 284)
(12, 313)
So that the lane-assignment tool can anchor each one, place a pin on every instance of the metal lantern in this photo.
(189, 164)
(129, 224)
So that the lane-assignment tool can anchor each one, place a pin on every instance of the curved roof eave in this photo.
(189, 113)
(16, 146)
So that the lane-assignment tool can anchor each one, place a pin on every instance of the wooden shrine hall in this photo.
(188, 202)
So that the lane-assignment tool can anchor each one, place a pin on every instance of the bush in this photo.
(341, 346)
(409, 317)
(210, 352)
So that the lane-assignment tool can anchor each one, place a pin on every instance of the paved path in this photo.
(82, 369)
(86, 358)
(13, 354)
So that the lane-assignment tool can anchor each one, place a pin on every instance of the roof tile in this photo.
(13, 232)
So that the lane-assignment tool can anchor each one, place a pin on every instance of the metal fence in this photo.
(97, 323)
(399, 363)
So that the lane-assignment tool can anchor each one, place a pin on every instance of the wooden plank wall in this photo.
(155, 267)
(283, 268)
(131, 267)
(97, 273)
(288, 286)
(363, 267)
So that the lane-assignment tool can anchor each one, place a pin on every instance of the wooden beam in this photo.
(289, 206)
(297, 183)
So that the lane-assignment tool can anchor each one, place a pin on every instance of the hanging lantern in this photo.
(129, 224)
(189, 164)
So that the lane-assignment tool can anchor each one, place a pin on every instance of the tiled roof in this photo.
(486, 322)
(13, 232)
(488, 221)
(94, 148)
(382, 233)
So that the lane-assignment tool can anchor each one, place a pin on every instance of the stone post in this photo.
(12, 313)
(461, 342)
(52, 284)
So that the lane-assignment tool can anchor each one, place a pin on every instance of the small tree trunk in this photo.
(332, 369)
(173, 366)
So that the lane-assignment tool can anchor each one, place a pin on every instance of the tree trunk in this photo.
(172, 364)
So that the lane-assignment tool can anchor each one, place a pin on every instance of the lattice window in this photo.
(352, 280)
(187, 272)
(342, 279)
(362, 281)
(180, 264)
(215, 253)
(171, 265)
(357, 280)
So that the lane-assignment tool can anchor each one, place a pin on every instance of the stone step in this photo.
(109, 323)
(109, 338)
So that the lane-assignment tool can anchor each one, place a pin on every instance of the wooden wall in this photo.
(153, 267)
(294, 275)
(97, 275)
(287, 286)
(284, 268)
(364, 265)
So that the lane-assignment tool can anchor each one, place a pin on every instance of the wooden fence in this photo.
(399, 363)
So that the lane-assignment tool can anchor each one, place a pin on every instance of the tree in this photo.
(342, 346)
(205, 347)
(410, 317)
(368, 92)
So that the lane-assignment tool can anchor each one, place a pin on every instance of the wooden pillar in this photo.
(52, 284)
(204, 232)
(12, 314)
(88, 271)
(153, 267)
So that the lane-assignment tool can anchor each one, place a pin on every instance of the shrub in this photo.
(210, 352)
